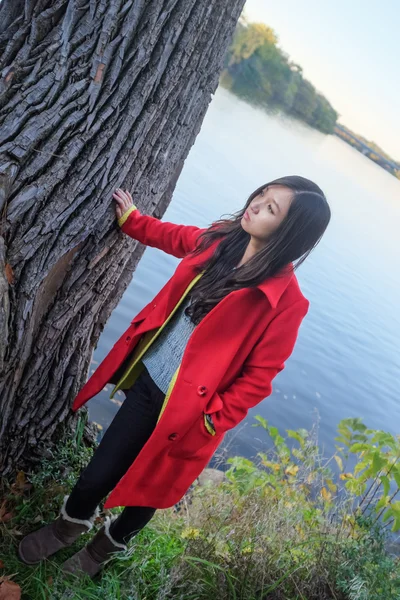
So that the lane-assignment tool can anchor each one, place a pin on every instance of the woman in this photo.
(192, 362)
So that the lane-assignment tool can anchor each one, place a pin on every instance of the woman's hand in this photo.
(123, 201)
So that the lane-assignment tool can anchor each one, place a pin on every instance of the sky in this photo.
(350, 51)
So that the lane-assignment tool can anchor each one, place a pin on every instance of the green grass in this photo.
(274, 530)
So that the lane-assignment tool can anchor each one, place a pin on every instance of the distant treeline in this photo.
(257, 70)
(261, 73)
(369, 149)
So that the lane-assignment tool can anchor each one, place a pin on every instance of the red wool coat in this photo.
(227, 367)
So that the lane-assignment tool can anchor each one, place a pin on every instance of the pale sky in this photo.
(350, 51)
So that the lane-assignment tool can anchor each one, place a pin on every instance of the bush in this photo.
(277, 527)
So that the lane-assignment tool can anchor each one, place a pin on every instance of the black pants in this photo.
(121, 443)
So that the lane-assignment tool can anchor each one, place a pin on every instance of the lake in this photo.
(346, 362)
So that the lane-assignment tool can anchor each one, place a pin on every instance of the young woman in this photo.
(192, 362)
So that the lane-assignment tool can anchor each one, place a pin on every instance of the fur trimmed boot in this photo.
(61, 533)
(96, 553)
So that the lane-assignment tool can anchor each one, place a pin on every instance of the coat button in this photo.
(172, 436)
(128, 339)
(202, 390)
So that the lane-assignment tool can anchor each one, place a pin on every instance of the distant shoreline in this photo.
(257, 70)
(364, 147)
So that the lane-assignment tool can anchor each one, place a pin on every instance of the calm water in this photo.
(346, 362)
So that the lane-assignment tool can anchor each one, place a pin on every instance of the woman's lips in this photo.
(246, 215)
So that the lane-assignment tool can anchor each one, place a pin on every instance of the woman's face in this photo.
(266, 211)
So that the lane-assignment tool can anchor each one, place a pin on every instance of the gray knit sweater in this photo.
(165, 354)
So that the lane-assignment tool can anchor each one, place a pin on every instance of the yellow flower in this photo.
(292, 470)
(190, 533)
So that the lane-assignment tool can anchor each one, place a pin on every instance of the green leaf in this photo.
(396, 508)
(386, 484)
(396, 477)
(383, 438)
(356, 423)
(361, 465)
(387, 514)
(396, 524)
(383, 502)
(378, 462)
(359, 447)
(356, 486)
(273, 432)
(342, 440)
(344, 432)
(296, 435)
(261, 422)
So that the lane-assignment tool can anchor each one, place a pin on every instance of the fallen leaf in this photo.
(5, 516)
(9, 590)
(2, 565)
(15, 532)
(20, 484)
(9, 274)
(325, 494)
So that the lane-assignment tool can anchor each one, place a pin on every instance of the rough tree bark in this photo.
(94, 94)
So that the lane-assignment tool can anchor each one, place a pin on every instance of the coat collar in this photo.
(274, 287)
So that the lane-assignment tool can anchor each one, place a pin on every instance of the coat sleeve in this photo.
(178, 240)
(264, 362)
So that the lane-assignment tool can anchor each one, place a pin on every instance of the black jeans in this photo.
(121, 443)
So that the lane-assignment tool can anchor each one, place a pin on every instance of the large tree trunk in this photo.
(94, 94)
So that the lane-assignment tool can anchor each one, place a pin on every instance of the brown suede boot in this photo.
(49, 539)
(98, 551)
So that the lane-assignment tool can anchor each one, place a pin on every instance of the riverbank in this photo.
(369, 149)
(275, 529)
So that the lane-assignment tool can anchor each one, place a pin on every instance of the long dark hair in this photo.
(297, 235)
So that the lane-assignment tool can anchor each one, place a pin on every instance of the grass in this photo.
(275, 529)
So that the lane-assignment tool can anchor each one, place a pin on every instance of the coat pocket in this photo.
(194, 440)
(214, 404)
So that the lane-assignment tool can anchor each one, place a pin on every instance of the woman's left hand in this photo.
(124, 201)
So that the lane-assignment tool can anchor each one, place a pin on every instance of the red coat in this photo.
(227, 366)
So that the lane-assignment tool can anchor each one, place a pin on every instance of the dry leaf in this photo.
(9, 590)
(20, 480)
(4, 515)
(325, 494)
(9, 274)
(2, 565)
(20, 484)
(15, 531)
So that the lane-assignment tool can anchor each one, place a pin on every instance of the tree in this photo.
(259, 71)
(248, 39)
(94, 95)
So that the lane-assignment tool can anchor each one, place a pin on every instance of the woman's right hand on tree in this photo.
(123, 201)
